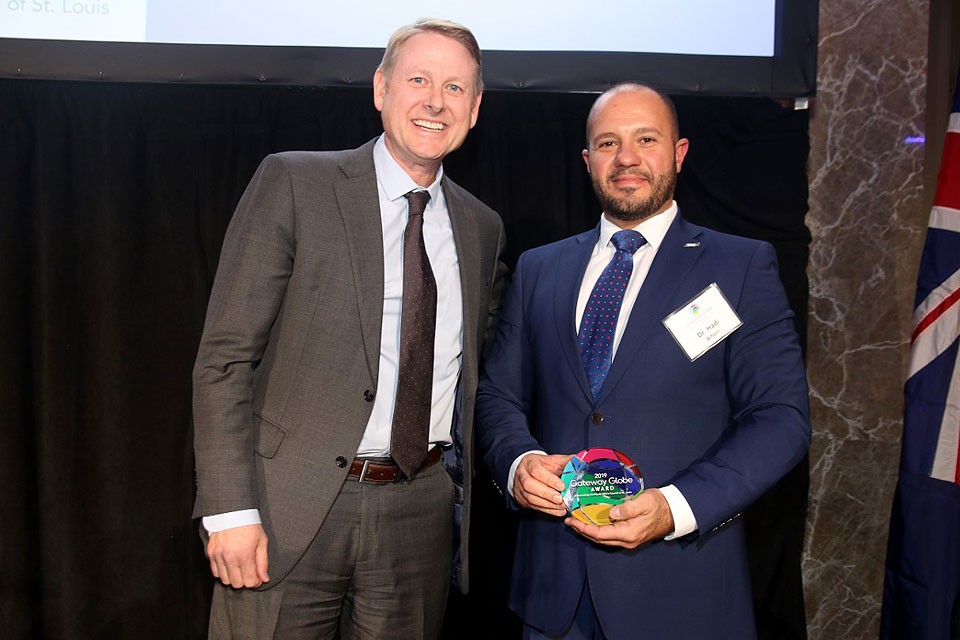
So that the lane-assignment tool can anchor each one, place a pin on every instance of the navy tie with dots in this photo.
(418, 319)
(599, 321)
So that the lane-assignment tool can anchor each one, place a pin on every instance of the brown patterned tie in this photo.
(418, 318)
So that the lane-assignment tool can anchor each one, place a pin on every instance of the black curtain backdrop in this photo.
(113, 203)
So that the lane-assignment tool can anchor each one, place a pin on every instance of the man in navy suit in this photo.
(696, 375)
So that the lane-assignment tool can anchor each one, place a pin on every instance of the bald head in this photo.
(633, 87)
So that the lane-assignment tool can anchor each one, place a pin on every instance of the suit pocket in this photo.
(269, 437)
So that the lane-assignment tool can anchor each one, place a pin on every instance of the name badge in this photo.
(702, 323)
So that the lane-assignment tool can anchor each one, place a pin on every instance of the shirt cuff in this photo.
(513, 470)
(231, 519)
(684, 521)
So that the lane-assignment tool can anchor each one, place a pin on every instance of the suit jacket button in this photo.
(368, 395)
(341, 462)
(596, 418)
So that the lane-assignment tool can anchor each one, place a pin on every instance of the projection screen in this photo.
(725, 47)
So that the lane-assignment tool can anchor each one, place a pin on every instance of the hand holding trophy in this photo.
(597, 479)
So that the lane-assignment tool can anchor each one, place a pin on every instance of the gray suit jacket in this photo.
(291, 342)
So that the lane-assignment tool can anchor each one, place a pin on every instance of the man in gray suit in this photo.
(338, 365)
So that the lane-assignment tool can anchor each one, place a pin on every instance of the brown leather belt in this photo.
(365, 470)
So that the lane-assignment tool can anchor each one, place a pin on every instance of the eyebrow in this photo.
(420, 71)
(638, 131)
(459, 80)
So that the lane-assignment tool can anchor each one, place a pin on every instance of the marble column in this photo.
(867, 221)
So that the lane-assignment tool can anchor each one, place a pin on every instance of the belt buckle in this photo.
(363, 471)
(362, 476)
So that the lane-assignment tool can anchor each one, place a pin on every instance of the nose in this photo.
(435, 99)
(627, 156)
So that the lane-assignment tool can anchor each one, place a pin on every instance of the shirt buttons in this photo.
(341, 462)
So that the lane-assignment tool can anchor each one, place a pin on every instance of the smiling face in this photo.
(633, 156)
(428, 103)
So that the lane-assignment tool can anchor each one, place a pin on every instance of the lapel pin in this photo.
(690, 245)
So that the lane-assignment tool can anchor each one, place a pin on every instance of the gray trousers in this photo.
(378, 568)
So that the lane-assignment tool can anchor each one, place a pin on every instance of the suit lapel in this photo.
(466, 237)
(570, 269)
(656, 298)
(359, 203)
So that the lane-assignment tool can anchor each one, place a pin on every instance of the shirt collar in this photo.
(653, 229)
(395, 182)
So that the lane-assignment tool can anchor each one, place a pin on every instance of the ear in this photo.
(475, 112)
(680, 151)
(586, 158)
(379, 89)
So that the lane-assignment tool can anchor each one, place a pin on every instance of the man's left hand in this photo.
(646, 517)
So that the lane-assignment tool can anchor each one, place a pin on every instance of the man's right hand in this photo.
(537, 484)
(238, 556)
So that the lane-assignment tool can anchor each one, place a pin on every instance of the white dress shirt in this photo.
(653, 230)
(392, 185)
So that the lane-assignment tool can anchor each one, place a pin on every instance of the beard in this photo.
(624, 207)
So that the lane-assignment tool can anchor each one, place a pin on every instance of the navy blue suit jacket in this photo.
(722, 429)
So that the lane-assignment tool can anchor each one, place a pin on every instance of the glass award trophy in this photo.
(597, 479)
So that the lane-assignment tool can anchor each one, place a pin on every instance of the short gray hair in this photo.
(432, 25)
